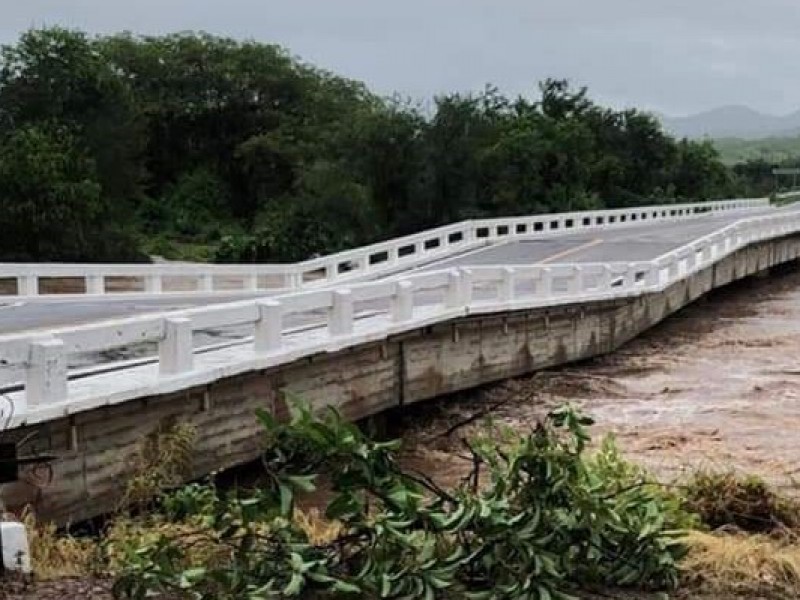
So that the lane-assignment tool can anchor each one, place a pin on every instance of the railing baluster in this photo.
(506, 291)
(403, 302)
(206, 282)
(95, 284)
(250, 282)
(269, 327)
(152, 283)
(452, 297)
(175, 354)
(575, 281)
(28, 285)
(466, 286)
(341, 316)
(46, 380)
(544, 286)
(652, 277)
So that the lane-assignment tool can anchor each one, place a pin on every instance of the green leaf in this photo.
(287, 499)
(191, 576)
(304, 483)
(295, 585)
(344, 587)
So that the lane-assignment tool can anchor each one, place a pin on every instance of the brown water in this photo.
(716, 386)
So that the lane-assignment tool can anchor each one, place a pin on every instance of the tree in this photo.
(205, 146)
(59, 76)
(50, 198)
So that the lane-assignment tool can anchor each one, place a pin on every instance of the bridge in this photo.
(94, 357)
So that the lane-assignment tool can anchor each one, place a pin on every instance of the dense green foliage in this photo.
(774, 150)
(546, 519)
(197, 145)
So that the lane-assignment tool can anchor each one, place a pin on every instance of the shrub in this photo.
(546, 519)
(746, 503)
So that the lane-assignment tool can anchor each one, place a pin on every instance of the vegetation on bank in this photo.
(190, 145)
(539, 516)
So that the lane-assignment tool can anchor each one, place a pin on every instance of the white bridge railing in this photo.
(49, 280)
(34, 367)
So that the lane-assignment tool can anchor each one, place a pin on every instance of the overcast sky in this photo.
(673, 56)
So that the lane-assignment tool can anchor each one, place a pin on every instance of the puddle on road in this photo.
(716, 386)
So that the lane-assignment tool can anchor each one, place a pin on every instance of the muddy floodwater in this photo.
(716, 386)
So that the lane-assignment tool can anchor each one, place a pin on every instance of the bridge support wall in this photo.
(96, 450)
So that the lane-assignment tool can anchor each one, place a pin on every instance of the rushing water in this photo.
(716, 386)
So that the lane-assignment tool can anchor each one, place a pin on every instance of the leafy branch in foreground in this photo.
(537, 518)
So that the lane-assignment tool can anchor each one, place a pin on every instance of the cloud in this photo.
(675, 56)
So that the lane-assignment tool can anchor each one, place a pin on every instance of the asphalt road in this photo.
(643, 242)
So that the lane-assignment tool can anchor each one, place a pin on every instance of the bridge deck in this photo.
(644, 242)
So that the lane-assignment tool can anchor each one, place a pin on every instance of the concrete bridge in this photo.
(365, 330)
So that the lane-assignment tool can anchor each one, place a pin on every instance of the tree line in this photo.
(195, 146)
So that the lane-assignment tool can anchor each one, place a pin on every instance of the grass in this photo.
(56, 555)
(744, 566)
(751, 546)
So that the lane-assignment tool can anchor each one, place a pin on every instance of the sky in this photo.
(671, 56)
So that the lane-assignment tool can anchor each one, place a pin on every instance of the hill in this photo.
(733, 122)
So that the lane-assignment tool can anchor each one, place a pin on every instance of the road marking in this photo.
(569, 251)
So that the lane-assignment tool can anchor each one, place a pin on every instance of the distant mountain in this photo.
(733, 122)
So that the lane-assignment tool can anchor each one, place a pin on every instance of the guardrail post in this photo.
(604, 281)
(726, 243)
(652, 276)
(251, 282)
(206, 282)
(392, 256)
(629, 277)
(293, 280)
(691, 259)
(152, 284)
(330, 272)
(46, 379)
(466, 286)
(269, 327)
(469, 235)
(175, 348)
(546, 280)
(452, 297)
(673, 269)
(27, 285)
(403, 302)
(738, 236)
(95, 284)
(341, 317)
(507, 290)
(575, 281)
